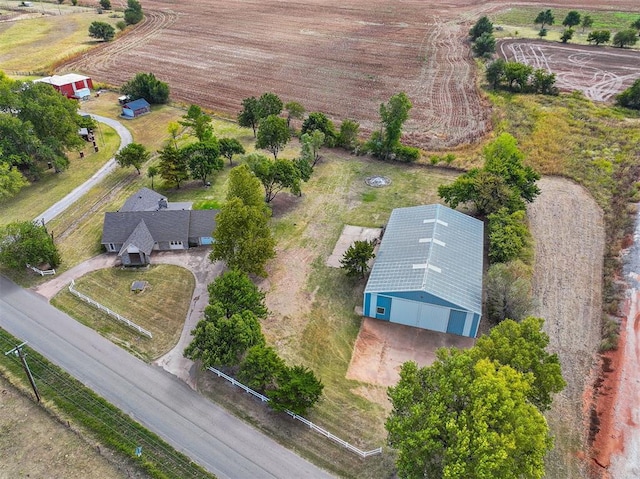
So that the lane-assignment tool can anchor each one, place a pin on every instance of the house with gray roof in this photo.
(428, 271)
(148, 222)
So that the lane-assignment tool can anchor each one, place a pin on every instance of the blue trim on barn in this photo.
(474, 325)
(367, 304)
(422, 297)
(457, 321)
(383, 302)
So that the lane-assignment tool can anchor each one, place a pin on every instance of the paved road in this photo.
(108, 167)
(193, 425)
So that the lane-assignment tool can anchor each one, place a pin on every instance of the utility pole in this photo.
(18, 352)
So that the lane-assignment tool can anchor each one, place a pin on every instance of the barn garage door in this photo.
(420, 315)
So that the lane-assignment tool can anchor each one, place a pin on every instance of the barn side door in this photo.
(456, 322)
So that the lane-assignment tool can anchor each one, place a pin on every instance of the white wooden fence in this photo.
(311, 425)
(45, 272)
(113, 314)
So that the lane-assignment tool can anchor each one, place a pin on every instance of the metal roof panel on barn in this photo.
(434, 250)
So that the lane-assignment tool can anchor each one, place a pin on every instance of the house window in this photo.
(112, 247)
(380, 310)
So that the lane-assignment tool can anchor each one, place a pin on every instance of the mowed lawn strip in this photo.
(161, 308)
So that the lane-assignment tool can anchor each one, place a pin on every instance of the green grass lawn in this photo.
(518, 22)
(36, 44)
(40, 195)
(161, 308)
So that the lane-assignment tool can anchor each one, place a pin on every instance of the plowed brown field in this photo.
(342, 57)
(599, 72)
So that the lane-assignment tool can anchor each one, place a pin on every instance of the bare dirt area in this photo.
(568, 228)
(342, 58)
(349, 235)
(598, 72)
(383, 347)
(33, 444)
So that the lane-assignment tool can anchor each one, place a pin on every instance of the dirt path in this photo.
(569, 231)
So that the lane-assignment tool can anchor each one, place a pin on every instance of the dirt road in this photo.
(568, 228)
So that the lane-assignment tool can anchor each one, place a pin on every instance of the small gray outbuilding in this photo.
(428, 271)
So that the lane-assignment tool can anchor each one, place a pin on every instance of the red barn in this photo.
(70, 85)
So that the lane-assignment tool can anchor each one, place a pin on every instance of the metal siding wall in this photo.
(433, 317)
(367, 304)
(423, 297)
(383, 302)
(457, 322)
(405, 312)
(467, 324)
(474, 326)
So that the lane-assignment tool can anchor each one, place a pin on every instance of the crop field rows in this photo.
(599, 72)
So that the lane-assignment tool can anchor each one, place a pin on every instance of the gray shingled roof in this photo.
(164, 225)
(141, 238)
(431, 248)
(143, 200)
(202, 223)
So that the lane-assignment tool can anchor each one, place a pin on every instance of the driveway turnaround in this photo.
(209, 435)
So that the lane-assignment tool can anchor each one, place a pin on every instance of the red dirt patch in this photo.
(598, 72)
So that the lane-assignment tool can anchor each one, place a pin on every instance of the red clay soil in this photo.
(599, 72)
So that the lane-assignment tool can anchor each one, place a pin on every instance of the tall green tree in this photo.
(517, 75)
(566, 35)
(133, 13)
(203, 158)
(173, 165)
(495, 73)
(482, 26)
(275, 175)
(319, 121)
(545, 17)
(355, 260)
(134, 154)
(273, 134)
(393, 114)
(230, 147)
(53, 119)
(222, 341)
(152, 172)
(270, 104)
(485, 45)
(261, 367)
(463, 417)
(102, 31)
(508, 288)
(250, 115)
(599, 36)
(244, 185)
(630, 98)
(503, 182)
(348, 136)
(11, 180)
(587, 22)
(311, 144)
(298, 390)
(508, 235)
(198, 123)
(625, 38)
(26, 242)
(572, 19)
(243, 238)
(523, 346)
(636, 24)
(147, 86)
(294, 111)
(233, 292)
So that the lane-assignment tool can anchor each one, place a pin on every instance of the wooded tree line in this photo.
(477, 413)
(230, 337)
(38, 126)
